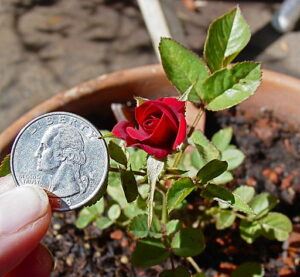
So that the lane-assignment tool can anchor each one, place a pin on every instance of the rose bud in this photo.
(161, 127)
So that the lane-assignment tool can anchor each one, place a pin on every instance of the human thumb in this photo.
(24, 219)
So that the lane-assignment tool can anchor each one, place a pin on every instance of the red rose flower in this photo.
(161, 127)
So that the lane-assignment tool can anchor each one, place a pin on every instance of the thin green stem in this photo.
(196, 121)
(163, 209)
(135, 172)
(115, 169)
(179, 155)
(240, 216)
(194, 264)
(164, 212)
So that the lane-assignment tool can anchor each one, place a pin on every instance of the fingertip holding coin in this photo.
(61, 152)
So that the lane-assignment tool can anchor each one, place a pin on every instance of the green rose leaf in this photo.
(226, 37)
(196, 160)
(224, 178)
(205, 148)
(184, 69)
(137, 158)
(222, 138)
(107, 135)
(154, 169)
(175, 171)
(89, 214)
(172, 226)
(276, 226)
(250, 230)
(129, 185)
(229, 87)
(115, 190)
(141, 203)
(103, 223)
(116, 153)
(241, 205)
(188, 242)
(85, 217)
(224, 219)
(133, 209)
(138, 226)
(218, 193)
(114, 212)
(143, 190)
(211, 170)
(187, 94)
(233, 157)
(178, 192)
(246, 193)
(5, 166)
(177, 272)
(98, 207)
(149, 252)
(249, 269)
(225, 197)
(262, 203)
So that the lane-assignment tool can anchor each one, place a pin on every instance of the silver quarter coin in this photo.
(62, 153)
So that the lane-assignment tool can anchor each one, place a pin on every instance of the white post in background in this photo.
(287, 16)
(155, 21)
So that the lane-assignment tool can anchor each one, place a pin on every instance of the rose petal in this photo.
(155, 107)
(150, 124)
(163, 134)
(169, 113)
(120, 131)
(175, 104)
(144, 110)
(157, 152)
(181, 134)
(137, 134)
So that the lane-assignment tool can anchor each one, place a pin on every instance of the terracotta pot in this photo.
(92, 99)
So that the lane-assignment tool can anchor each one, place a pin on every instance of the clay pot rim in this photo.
(108, 81)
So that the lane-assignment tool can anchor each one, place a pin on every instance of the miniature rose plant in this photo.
(158, 160)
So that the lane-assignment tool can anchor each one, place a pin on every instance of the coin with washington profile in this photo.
(62, 153)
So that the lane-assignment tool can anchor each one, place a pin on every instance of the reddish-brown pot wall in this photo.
(278, 92)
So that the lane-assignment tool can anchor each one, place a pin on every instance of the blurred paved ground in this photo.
(47, 46)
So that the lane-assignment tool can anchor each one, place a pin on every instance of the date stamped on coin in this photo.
(62, 153)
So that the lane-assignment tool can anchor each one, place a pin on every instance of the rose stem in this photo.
(196, 121)
(164, 212)
(114, 169)
(139, 173)
(178, 156)
(194, 264)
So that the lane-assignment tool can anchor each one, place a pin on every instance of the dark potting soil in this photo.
(272, 164)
